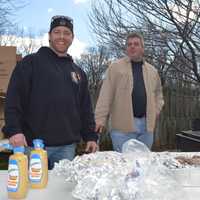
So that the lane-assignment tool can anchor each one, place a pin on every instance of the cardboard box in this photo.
(2, 105)
(1, 116)
(8, 59)
(7, 64)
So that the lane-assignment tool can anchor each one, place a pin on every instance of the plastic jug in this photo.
(38, 166)
(17, 185)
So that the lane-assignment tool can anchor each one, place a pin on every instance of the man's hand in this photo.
(99, 128)
(91, 147)
(18, 140)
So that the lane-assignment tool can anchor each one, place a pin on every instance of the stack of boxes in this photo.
(8, 60)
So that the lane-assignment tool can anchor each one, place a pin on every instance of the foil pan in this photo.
(183, 166)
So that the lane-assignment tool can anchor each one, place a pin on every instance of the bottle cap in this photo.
(19, 149)
(38, 143)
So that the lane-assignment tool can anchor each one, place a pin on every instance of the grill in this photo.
(188, 141)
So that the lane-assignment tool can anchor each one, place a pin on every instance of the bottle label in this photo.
(35, 169)
(13, 176)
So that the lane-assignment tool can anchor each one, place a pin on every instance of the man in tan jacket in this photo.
(131, 95)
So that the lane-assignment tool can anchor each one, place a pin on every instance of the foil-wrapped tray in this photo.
(184, 167)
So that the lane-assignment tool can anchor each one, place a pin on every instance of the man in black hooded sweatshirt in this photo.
(48, 98)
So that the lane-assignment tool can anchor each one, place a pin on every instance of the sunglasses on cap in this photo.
(62, 17)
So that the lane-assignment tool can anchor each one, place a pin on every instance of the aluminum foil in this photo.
(135, 174)
(183, 167)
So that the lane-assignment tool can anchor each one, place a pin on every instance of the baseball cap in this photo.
(61, 20)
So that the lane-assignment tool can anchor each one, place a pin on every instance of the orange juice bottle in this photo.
(17, 185)
(38, 167)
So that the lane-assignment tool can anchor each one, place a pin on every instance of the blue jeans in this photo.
(57, 153)
(119, 138)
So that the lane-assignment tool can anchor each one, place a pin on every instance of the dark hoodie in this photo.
(48, 98)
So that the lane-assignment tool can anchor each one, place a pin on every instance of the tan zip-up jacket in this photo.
(115, 99)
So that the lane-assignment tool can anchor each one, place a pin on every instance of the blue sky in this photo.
(37, 14)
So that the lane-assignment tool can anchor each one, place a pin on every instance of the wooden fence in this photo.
(182, 106)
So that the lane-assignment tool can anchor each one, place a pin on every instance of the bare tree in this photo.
(26, 43)
(170, 28)
(8, 9)
(94, 63)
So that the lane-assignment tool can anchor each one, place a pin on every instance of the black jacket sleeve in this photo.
(17, 97)
(87, 114)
